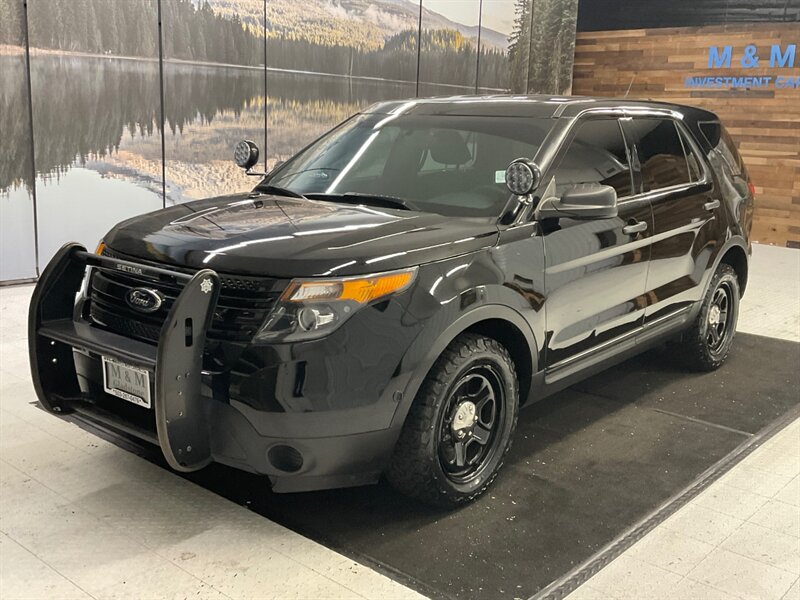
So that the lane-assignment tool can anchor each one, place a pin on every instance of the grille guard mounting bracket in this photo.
(181, 411)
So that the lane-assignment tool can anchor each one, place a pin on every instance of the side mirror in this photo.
(245, 154)
(522, 176)
(581, 202)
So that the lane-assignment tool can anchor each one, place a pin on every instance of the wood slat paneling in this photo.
(653, 64)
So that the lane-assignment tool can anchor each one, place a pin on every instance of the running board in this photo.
(617, 346)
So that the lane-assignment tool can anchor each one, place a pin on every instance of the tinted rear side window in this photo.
(596, 156)
(661, 154)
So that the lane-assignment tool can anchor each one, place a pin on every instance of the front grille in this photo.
(243, 305)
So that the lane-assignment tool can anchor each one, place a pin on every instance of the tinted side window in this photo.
(661, 154)
(597, 155)
(695, 170)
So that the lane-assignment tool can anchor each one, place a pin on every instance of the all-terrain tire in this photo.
(416, 467)
(696, 349)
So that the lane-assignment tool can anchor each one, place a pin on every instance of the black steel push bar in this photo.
(55, 330)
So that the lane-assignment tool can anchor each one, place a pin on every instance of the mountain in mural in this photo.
(361, 23)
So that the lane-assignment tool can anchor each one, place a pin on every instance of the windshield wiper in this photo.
(278, 191)
(359, 198)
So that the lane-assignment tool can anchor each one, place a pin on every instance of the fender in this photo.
(464, 322)
(736, 240)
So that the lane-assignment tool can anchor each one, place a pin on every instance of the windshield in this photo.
(452, 165)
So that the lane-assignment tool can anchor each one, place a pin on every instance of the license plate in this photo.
(126, 382)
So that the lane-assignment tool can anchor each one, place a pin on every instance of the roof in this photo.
(509, 105)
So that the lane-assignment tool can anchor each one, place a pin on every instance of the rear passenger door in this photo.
(685, 213)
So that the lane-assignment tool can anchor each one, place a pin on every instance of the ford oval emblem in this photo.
(144, 299)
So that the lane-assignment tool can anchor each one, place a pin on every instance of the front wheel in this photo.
(707, 343)
(460, 425)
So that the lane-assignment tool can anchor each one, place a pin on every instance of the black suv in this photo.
(385, 301)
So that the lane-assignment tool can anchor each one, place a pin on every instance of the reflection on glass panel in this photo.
(303, 107)
(214, 93)
(17, 251)
(94, 79)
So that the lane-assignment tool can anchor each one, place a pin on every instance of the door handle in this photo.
(711, 205)
(637, 227)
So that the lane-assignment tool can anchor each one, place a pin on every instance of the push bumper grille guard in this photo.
(176, 362)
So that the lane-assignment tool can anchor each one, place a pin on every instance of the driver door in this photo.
(595, 269)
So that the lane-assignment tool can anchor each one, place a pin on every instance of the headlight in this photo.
(312, 308)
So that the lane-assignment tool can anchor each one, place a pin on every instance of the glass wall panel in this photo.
(501, 53)
(552, 47)
(95, 88)
(17, 239)
(214, 93)
(449, 56)
(329, 60)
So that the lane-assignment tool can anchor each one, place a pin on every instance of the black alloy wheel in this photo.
(707, 343)
(470, 422)
(719, 327)
(459, 427)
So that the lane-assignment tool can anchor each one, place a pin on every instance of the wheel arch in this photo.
(735, 255)
(517, 345)
(499, 322)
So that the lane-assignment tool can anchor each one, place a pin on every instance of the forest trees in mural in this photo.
(538, 59)
(16, 167)
(94, 27)
(519, 45)
(200, 34)
(12, 23)
(552, 51)
(120, 28)
(542, 46)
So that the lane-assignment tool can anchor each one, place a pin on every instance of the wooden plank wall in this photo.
(765, 123)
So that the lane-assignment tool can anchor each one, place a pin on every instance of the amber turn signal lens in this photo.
(100, 247)
(361, 290)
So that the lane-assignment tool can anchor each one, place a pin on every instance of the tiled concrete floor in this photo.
(771, 303)
(81, 518)
(739, 539)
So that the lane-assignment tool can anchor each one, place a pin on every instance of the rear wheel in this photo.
(707, 344)
(460, 426)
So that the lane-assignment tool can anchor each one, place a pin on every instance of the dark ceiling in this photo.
(600, 15)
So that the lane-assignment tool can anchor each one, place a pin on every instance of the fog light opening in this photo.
(285, 458)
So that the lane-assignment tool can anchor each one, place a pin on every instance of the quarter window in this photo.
(596, 156)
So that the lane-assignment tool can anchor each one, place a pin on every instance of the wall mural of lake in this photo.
(279, 72)
(17, 224)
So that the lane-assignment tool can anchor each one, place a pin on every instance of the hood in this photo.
(288, 237)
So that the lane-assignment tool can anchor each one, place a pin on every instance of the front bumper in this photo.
(191, 427)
